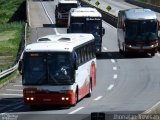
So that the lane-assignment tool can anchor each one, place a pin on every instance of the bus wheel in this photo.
(120, 51)
(76, 98)
(124, 51)
(33, 107)
(90, 90)
(152, 54)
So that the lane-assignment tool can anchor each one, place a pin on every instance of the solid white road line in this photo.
(114, 68)
(49, 18)
(104, 48)
(14, 90)
(98, 98)
(78, 109)
(4, 94)
(115, 76)
(17, 85)
(152, 108)
(112, 60)
(29, 20)
(110, 87)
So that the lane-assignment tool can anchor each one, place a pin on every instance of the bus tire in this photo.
(125, 53)
(90, 90)
(119, 46)
(76, 97)
(33, 107)
(152, 54)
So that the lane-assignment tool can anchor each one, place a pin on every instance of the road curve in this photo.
(124, 84)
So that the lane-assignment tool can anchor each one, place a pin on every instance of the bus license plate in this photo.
(47, 100)
(141, 50)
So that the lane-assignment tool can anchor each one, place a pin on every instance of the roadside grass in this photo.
(12, 13)
(8, 9)
(9, 44)
(9, 78)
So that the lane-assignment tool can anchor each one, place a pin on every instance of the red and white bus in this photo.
(58, 69)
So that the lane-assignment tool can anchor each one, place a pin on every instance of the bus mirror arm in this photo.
(75, 66)
(158, 22)
(103, 31)
(68, 30)
(20, 67)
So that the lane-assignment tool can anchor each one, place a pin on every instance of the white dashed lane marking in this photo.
(114, 68)
(98, 98)
(110, 87)
(78, 109)
(104, 48)
(115, 76)
(112, 60)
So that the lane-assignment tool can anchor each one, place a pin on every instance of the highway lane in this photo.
(123, 84)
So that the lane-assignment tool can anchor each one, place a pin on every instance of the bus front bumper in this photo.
(141, 49)
(53, 98)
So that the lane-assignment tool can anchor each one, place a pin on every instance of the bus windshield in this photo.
(77, 28)
(89, 26)
(94, 27)
(67, 7)
(141, 30)
(48, 68)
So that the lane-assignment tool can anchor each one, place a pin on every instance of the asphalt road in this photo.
(124, 84)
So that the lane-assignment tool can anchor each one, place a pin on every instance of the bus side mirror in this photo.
(68, 30)
(20, 67)
(75, 61)
(123, 27)
(75, 66)
(158, 25)
(103, 31)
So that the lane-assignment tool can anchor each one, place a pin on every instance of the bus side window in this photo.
(87, 51)
(82, 55)
(79, 57)
(90, 51)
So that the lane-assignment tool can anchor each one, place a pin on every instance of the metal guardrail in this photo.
(23, 44)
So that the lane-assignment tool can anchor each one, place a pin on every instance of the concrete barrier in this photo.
(144, 5)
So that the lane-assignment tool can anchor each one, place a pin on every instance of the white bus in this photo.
(58, 69)
(87, 20)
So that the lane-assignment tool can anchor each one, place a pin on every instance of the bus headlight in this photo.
(32, 98)
(27, 98)
(67, 98)
(63, 98)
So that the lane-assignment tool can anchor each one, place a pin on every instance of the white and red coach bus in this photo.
(58, 69)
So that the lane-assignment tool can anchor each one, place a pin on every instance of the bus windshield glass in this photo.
(67, 7)
(94, 27)
(90, 25)
(48, 68)
(77, 28)
(141, 30)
